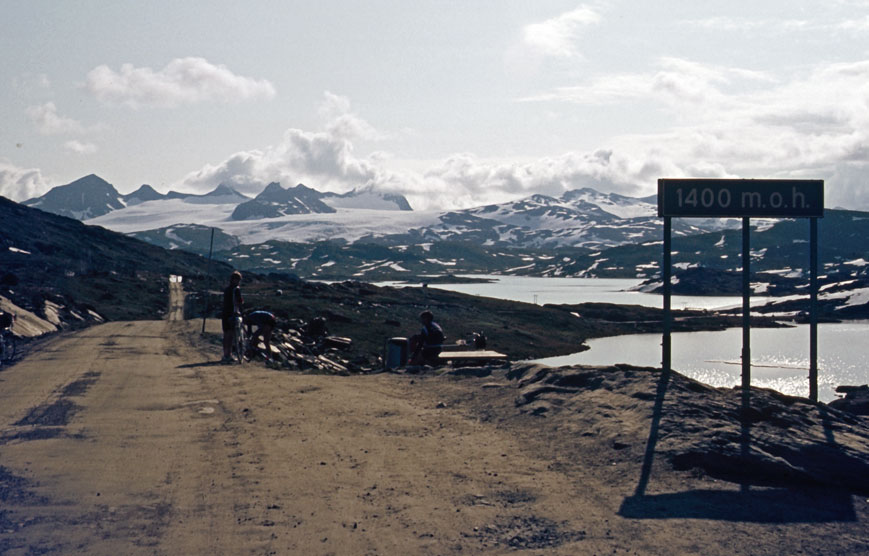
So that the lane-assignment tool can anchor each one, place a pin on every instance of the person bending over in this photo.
(265, 323)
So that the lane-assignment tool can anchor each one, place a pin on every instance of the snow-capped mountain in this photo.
(87, 197)
(613, 203)
(580, 218)
(275, 201)
(141, 195)
(220, 195)
(92, 197)
(581, 233)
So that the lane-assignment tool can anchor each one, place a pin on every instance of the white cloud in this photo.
(675, 82)
(79, 147)
(20, 184)
(726, 122)
(49, 122)
(183, 81)
(335, 110)
(464, 180)
(558, 36)
(741, 123)
(325, 158)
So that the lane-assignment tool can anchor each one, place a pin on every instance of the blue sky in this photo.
(450, 103)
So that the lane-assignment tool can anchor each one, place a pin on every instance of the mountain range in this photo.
(578, 218)
(367, 235)
(91, 196)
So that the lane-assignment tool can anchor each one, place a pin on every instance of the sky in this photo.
(452, 104)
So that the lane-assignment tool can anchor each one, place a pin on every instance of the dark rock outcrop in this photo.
(85, 198)
(776, 440)
(856, 399)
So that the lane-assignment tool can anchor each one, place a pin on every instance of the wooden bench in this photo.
(471, 356)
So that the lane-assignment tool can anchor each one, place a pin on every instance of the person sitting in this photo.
(426, 346)
(265, 323)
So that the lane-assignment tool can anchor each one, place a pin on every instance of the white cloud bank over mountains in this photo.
(727, 122)
(20, 184)
(327, 160)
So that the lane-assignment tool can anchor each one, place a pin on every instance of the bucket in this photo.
(396, 353)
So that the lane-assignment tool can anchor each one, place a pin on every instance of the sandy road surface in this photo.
(134, 442)
(128, 438)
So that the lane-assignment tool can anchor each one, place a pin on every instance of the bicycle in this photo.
(239, 345)
(7, 345)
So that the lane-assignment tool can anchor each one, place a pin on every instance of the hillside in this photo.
(52, 264)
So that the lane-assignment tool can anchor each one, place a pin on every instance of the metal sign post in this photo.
(746, 312)
(668, 320)
(746, 199)
(813, 311)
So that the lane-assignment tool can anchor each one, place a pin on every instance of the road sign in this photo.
(744, 199)
(741, 198)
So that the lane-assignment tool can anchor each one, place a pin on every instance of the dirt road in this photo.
(129, 438)
(131, 441)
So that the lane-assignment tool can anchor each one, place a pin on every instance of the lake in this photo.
(558, 291)
(780, 357)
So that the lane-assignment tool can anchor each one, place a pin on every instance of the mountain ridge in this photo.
(84, 198)
(92, 196)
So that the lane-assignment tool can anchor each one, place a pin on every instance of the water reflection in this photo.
(780, 357)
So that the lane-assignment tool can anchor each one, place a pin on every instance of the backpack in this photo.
(435, 335)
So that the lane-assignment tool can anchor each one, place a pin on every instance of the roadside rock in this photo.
(296, 351)
(856, 399)
(777, 439)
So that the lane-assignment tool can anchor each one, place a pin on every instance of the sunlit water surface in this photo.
(780, 357)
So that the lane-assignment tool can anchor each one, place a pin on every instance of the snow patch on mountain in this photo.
(366, 199)
(613, 203)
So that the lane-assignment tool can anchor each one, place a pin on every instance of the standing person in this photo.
(265, 323)
(426, 346)
(232, 306)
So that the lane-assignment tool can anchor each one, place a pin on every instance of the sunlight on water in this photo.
(780, 358)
